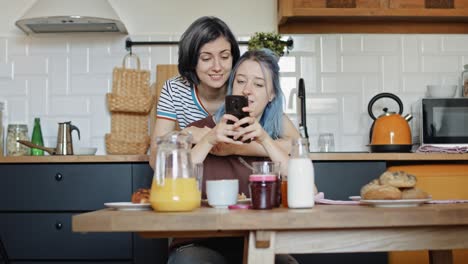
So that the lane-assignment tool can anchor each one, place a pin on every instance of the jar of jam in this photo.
(263, 191)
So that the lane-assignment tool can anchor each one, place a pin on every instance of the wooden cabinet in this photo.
(38, 200)
(373, 16)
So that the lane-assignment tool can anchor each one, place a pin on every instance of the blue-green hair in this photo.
(272, 117)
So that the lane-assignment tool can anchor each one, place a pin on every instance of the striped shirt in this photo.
(180, 103)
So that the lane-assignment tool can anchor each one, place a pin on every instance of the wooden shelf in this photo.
(388, 16)
(337, 156)
(75, 159)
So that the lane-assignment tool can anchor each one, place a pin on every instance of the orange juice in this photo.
(180, 194)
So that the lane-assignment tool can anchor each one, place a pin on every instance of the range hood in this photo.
(71, 16)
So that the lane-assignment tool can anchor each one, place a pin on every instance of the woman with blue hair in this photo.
(255, 76)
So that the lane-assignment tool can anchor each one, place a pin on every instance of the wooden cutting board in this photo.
(163, 73)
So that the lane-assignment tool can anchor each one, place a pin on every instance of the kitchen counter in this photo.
(330, 156)
(76, 159)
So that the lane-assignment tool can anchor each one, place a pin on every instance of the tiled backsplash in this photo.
(63, 78)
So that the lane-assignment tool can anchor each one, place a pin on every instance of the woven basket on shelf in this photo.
(133, 104)
(130, 82)
(129, 103)
(127, 144)
(128, 123)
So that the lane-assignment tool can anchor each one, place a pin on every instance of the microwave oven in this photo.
(444, 121)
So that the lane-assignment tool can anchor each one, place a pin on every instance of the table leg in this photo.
(440, 257)
(261, 247)
(246, 249)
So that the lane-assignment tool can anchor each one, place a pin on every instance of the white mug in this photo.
(222, 193)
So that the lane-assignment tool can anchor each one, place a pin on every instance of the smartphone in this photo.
(234, 105)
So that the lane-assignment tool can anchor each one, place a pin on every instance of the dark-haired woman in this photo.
(207, 52)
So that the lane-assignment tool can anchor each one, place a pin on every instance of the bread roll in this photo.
(369, 186)
(399, 179)
(413, 193)
(381, 192)
(141, 196)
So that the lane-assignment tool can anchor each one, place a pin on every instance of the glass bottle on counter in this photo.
(464, 79)
(36, 138)
(301, 180)
(17, 132)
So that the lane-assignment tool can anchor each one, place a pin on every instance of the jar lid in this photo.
(260, 178)
(19, 127)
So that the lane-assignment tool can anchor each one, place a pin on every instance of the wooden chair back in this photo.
(163, 73)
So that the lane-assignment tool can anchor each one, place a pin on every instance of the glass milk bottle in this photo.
(301, 180)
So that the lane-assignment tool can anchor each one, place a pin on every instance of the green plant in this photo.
(268, 40)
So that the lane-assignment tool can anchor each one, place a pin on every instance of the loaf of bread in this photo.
(141, 196)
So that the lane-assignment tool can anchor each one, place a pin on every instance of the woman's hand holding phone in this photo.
(235, 105)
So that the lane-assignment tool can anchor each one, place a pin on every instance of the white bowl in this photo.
(441, 91)
(85, 151)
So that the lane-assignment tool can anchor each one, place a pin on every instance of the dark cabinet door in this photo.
(142, 175)
(49, 236)
(63, 187)
(338, 179)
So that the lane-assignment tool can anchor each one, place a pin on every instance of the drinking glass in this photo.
(269, 168)
(326, 142)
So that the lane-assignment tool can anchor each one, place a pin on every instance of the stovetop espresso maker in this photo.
(64, 140)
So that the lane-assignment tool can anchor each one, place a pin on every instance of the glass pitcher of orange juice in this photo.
(175, 187)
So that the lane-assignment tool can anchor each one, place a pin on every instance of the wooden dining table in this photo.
(438, 228)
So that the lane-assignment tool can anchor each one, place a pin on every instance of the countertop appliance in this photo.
(390, 131)
(444, 122)
(71, 16)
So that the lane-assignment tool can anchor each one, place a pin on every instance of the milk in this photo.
(301, 182)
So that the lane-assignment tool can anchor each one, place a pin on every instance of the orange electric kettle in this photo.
(390, 132)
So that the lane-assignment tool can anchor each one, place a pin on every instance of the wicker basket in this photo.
(127, 144)
(130, 82)
(128, 123)
(129, 104)
(132, 104)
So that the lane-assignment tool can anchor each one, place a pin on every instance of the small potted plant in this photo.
(270, 40)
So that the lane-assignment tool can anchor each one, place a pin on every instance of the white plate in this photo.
(129, 206)
(355, 198)
(395, 203)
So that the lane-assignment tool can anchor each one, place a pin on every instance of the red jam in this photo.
(263, 191)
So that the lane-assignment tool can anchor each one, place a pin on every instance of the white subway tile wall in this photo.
(65, 78)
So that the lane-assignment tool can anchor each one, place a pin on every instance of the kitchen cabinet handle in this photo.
(58, 176)
(58, 225)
